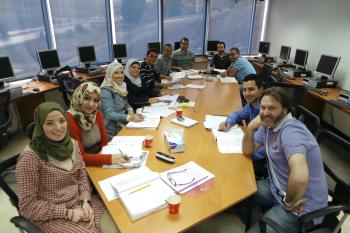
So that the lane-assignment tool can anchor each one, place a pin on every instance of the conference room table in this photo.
(234, 178)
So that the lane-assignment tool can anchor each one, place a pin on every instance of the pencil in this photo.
(139, 189)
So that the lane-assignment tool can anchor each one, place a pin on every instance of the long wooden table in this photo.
(234, 177)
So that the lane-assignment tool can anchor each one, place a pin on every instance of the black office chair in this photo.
(311, 120)
(67, 82)
(7, 183)
(176, 45)
(296, 93)
(336, 160)
(265, 75)
(5, 117)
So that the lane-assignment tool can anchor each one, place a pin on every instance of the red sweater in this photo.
(76, 133)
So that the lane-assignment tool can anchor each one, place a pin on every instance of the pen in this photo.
(139, 189)
(124, 155)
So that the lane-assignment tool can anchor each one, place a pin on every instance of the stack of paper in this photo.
(220, 70)
(230, 141)
(195, 76)
(213, 122)
(176, 86)
(186, 177)
(187, 122)
(178, 75)
(195, 86)
(159, 110)
(227, 79)
(141, 191)
(149, 122)
(168, 98)
(191, 72)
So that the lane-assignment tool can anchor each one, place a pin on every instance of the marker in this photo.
(139, 189)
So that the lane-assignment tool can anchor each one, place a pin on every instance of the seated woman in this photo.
(138, 96)
(87, 126)
(115, 107)
(53, 187)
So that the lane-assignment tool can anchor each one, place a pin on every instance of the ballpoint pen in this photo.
(127, 158)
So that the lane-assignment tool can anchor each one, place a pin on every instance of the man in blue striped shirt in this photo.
(240, 66)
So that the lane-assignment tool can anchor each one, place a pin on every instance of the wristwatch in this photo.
(286, 203)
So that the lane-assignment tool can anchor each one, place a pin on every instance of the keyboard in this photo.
(286, 66)
(339, 104)
(314, 89)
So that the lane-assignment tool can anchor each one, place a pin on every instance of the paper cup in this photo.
(179, 112)
(148, 141)
(174, 204)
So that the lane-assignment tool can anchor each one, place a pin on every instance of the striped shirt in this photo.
(182, 60)
(243, 68)
(148, 75)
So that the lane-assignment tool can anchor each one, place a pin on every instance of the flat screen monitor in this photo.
(119, 50)
(87, 54)
(285, 52)
(327, 65)
(6, 71)
(154, 45)
(176, 45)
(212, 45)
(300, 58)
(48, 60)
(264, 47)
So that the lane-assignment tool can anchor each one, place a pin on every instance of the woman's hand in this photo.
(75, 215)
(136, 117)
(119, 159)
(153, 100)
(88, 213)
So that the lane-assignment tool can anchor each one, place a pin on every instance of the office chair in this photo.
(265, 75)
(296, 93)
(176, 45)
(154, 45)
(5, 117)
(67, 82)
(336, 159)
(311, 120)
(7, 183)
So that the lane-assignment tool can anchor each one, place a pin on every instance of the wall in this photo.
(320, 26)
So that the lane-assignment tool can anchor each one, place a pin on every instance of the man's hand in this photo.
(224, 126)
(255, 123)
(298, 207)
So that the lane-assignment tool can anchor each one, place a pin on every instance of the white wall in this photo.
(320, 26)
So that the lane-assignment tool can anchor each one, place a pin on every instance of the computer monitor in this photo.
(87, 55)
(300, 58)
(327, 65)
(119, 51)
(6, 71)
(176, 45)
(285, 53)
(154, 45)
(212, 45)
(264, 47)
(48, 60)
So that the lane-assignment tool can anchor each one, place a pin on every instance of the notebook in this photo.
(187, 122)
(141, 191)
(230, 141)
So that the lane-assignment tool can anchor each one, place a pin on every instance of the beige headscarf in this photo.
(109, 82)
(84, 120)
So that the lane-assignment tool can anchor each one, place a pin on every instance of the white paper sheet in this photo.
(213, 122)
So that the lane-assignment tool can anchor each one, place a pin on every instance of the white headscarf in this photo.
(134, 80)
(109, 82)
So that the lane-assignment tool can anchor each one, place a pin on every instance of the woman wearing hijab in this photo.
(138, 96)
(87, 126)
(115, 107)
(53, 187)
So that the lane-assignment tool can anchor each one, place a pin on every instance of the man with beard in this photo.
(252, 89)
(221, 59)
(297, 183)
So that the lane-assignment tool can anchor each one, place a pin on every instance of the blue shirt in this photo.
(248, 113)
(243, 67)
(288, 138)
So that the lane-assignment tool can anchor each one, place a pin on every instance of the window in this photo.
(257, 27)
(184, 18)
(229, 21)
(22, 32)
(136, 24)
(79, 23)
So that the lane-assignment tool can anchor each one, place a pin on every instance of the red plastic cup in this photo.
(148, 141)
(179, 112)
(174, 204)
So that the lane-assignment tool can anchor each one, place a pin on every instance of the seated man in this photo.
(221, 59)
(163, 65)
(252, 89)
(150, 78)
(297, 183)
(182, 58)
(240, 66)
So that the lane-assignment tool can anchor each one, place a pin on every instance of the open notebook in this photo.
(141, 191)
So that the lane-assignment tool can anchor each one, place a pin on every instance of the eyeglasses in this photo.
(172, 180)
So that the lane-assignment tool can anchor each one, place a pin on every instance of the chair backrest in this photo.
(5, 117)
(265, 75)
(335, 152)
(67, 82)
(296, 93)
(311, 120)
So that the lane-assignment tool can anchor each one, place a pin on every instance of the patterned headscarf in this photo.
(44, 146)
(134, 80)
(85, 121)
(109, 82)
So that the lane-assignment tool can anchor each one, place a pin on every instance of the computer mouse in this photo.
(323, 93)
(36, 89)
